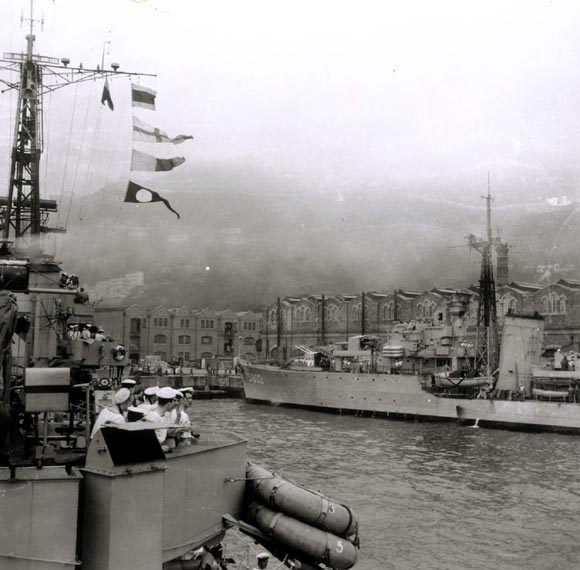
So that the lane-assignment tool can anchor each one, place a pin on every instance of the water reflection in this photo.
(432, 496)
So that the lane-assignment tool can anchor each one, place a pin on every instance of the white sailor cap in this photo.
(263, 556)
(136, 410)
(128, 382)
(152, 391)
(121, 396)
(186, 389)
(166, 393)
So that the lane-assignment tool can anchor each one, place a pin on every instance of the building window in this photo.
(207, 323)
(162, 355)
(159, 339)
(160, 322)
(184, 339)
(554, 304)
(206, 340)
(183, 356)
(249, 341)
(135, 326)
(134, 342)
(508, 303)
(184, 323)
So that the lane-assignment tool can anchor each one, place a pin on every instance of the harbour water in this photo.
(428, 495)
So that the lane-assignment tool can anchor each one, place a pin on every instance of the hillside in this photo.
(238, 247)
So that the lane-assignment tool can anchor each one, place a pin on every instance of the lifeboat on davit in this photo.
(300, 521)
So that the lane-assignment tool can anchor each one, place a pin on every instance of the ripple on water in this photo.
(428, 496)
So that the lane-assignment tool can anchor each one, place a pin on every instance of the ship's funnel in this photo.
(520, 349)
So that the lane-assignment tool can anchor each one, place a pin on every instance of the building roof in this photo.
(112, 303)
(571, 283)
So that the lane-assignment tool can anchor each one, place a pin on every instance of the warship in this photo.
(425, 370)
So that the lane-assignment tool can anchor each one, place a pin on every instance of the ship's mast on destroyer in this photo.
(23, 214)
(487, 342)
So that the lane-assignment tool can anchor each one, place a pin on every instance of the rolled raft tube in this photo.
(301, 503)
(302, 540)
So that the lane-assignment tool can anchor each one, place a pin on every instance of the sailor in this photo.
(114, 413)
(262, 560)
(187, 398)
(129, 383)
(149, 398)
(100, 335)
(161, 412)
(165, 402)
(85, 332)
(179, 417)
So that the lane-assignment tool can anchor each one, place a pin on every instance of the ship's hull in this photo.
(400, 396)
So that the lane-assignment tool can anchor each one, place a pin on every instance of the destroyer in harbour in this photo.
(434, 371)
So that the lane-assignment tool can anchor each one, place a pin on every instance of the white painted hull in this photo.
(399, 395)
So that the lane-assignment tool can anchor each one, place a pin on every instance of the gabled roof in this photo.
(205, 313)
(570, 283)
(227, 314)
(112, 303)
(525, 287)
(406, 294)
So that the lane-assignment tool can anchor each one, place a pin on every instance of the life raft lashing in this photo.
(304, 523)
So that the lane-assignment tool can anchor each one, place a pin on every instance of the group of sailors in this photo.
(163, 405)
(83, 331)
(68, 281)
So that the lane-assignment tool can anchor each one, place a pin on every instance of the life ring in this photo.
(104, 383)
(119, 352)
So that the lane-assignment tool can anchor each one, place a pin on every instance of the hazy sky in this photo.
(329, 92)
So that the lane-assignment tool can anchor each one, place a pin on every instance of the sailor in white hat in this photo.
(149, 398)
(165, 402)
(179, 417)
(114, 413)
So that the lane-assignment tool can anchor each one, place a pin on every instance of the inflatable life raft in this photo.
(305, 523)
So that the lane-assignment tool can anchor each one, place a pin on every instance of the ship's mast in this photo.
(23, 214)
(487, 353)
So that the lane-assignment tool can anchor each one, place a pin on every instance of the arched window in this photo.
(184, 339)
(159, 339)
(307, 314)
(562, 307)
(206, 340)
(299, 314)
(420, 311)
(273, 317)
